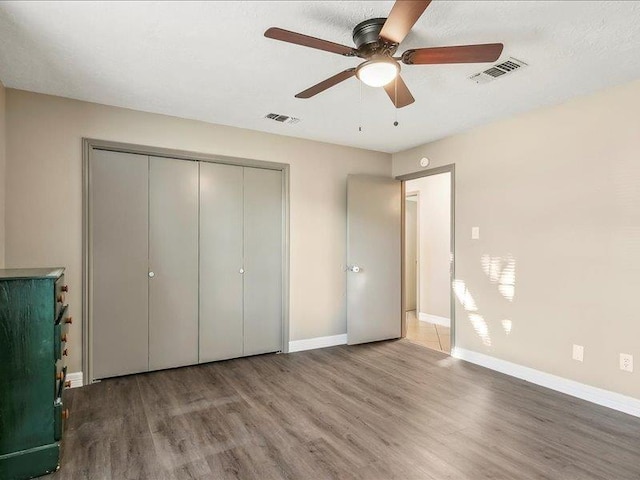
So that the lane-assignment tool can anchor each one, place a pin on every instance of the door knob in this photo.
(151, 274)
(241, 270)
(354, 268)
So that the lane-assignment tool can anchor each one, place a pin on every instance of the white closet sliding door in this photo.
(185, 262)
(263, 216)
(118, 232)
(221, 261)
(241, 249)
(173, 263)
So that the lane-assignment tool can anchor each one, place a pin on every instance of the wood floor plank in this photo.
(386, 410)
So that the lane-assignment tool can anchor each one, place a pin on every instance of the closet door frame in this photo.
(89, 145)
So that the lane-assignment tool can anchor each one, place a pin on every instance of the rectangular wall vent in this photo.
(498, 71)
(277, 117)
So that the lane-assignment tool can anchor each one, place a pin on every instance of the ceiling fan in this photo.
(377, 40)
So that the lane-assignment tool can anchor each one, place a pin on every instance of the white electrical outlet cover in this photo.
(626, 362)
(475, 233)
(578, 353)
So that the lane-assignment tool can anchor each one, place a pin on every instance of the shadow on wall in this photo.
(501, 271)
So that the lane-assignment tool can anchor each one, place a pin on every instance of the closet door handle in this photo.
(241, 271)
(151, 274)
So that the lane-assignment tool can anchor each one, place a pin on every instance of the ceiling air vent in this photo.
(498, 71)
(276, 117)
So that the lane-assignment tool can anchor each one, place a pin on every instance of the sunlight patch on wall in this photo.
(468, 303)
(491, 267)
(507, 325)
(501, 270)
(464, 296)
(481, 328)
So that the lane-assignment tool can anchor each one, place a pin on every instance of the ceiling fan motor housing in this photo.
(366, 36)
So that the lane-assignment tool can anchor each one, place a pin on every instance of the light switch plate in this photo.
(475, 233)
(578, 353)
(626, 362)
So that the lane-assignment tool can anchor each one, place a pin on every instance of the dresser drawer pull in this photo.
(64, 338)
(67, 384)
(59, 376)
(64, 288)
(65, 353)
(60, 298)
(65, 413)
(69, 320)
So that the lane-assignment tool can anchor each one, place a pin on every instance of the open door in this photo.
(373, 258)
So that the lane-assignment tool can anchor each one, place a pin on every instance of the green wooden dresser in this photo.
(33, 333)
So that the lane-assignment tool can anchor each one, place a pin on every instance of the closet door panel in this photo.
(263, 215)
(221, 205)
(173, 259)
(118, 217)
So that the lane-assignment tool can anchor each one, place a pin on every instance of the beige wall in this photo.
(44, 194)
(434, 255)
(410, 253)
(3, 145)
(556, 194)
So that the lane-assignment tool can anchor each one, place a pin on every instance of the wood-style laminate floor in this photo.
(378, 411)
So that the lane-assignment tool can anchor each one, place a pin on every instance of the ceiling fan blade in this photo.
(307, 41)
(488, 52)
(403, 16)
(399, 93)
(328, 83)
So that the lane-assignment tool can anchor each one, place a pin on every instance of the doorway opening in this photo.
(428, 313)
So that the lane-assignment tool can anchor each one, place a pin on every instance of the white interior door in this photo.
(374, 258)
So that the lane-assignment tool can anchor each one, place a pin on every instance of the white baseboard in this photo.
(599, 396)
(435, 319)
(75, 378)
(318, 342)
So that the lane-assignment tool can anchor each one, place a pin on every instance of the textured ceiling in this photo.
(210, 61)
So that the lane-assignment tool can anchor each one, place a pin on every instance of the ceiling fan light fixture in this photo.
(378, 72)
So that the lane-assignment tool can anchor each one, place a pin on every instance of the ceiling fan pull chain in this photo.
(360, 109)
(395, 81)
